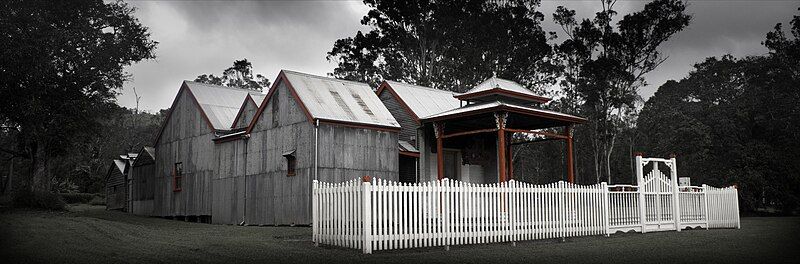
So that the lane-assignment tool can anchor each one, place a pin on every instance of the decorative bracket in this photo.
(438, 129)
(500, 119)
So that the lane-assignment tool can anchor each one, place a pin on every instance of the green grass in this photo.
(89, 234)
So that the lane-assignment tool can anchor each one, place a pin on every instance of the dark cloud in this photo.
(206, 36)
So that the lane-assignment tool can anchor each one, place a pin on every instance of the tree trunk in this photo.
(41, 171)
(609, 149)
(9, 184)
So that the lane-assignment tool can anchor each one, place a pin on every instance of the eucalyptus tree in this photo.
(239, 75)
(605, 64)
(62, 64)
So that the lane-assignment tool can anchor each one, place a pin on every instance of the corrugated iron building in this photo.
(232, 156)
(307, 127)
(116, 185)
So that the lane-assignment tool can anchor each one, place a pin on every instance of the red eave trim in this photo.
(410, 154)
(386, 86)
(229, 139)
(535, 98)
(359, 125)
(184, 87)
(577, 120)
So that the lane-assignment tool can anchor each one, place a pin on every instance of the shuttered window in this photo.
(177, 177)
(291, 163)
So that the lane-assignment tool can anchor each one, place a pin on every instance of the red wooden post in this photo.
(570, 165)
(501, 136)
(437, 127)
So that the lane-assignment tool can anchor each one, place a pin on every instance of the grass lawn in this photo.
(89, 234)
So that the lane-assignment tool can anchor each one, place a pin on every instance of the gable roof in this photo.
(147, 155)
(117, 165)
(504, 87)
(217, 104)
(333, 100)
(420, 101)
(255, 99)
(121, 165)
(258, 98)
(220, 103)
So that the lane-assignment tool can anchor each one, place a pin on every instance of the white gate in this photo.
(659, 192)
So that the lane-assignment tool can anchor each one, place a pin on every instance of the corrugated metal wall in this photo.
(142, 188)
(186, 138)
(252, 184)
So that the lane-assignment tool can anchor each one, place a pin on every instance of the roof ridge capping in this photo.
(324, 77)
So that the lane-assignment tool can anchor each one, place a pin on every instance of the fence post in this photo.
(314, 213)
(676, 210)
(563, 211)
(640, 190)
(705, 204)
(366, 193)
(606, 208)
(738, 220)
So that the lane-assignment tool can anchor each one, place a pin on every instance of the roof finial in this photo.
(494, 79)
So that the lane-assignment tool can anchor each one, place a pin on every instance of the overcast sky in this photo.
(206, 37)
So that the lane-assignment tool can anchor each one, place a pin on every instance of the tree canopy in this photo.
(735, 121)
(605, 66)
(239, 75)
(449, 44)
(63, 63)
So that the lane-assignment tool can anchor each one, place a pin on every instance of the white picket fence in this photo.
(384, 215)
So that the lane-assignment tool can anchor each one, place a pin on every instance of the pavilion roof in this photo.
(474, 109)
(494, 87)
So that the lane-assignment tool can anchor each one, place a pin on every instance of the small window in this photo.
(177, 177)
(291, 163)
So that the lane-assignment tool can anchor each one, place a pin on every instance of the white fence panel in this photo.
(723, 207)
(385, 215)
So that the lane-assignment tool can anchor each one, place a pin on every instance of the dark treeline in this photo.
(83, 167)
(731, 121)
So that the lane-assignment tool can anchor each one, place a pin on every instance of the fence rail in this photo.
(383, 215)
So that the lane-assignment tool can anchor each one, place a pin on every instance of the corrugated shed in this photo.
(340, 100)
(219, 103)
(425, 101)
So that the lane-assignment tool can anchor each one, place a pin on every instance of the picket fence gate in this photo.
(375, 214)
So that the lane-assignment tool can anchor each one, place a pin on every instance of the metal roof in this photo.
(258, 98)
(477, 107)
(339, 100)
(120, 164)
(503, 84)
(219, 103)
(405, 146)
(425, 101)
